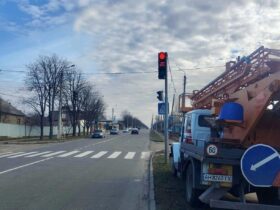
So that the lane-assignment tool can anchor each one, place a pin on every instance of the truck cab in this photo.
(195, 128)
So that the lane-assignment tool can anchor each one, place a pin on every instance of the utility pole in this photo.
(166, 118)
(163, 74)
(184, 102)
(112, 117)
(184, 96)
(59, 126)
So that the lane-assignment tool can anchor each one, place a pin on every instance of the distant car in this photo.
(134, 131)
(98, 134)
(125, 131)
(114, 131)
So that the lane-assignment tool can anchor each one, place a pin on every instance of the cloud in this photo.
(195, 33)
(126, 37)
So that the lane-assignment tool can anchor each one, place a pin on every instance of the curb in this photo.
(151, 201)
(38, 141)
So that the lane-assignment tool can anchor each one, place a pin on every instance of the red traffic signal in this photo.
(162, 55)
(162, 65)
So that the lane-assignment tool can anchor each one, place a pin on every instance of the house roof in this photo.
(7, 108)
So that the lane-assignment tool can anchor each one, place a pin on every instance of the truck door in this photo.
(187, 138)
(201, 131)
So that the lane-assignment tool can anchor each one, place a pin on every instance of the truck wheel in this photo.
(192, 194)
(267, 195)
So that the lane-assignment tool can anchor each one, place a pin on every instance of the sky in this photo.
(124, 36)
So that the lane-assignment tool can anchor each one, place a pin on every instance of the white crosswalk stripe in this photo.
(20, 155)
(15, 153)
(38, 154)
(84, 154)
(68, 154)
(130, 155)
(99, 154)
(53, 154)
(145, 155)
(114, 155)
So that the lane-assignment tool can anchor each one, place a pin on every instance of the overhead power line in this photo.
(171, 76)
(123, 73)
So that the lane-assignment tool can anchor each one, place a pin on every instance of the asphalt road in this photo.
(108, 173)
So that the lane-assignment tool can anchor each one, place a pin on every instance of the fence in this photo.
(15, 131)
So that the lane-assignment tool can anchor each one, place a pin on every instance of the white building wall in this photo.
(14, 131)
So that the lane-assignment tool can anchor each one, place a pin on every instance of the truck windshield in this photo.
(202, 122)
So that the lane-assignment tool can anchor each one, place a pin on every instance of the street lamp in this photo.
(59, 126)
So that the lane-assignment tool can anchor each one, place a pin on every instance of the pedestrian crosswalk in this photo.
(83, 154)
(126, 155)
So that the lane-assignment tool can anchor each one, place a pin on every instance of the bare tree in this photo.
(35, 82)
(74, 85)
(131, 121)
(53, 68)
(44, 79)
(92, 107)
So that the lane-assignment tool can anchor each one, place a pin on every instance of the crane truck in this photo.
(230, 138)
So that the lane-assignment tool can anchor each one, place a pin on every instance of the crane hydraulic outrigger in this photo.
(253, 83)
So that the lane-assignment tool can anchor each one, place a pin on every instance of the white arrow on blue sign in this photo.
(260, 165)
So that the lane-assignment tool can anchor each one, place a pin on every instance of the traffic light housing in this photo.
(160, 95)
(162, 65)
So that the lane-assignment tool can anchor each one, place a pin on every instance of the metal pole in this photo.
(60, 108)
(184, 96)
(166, 118)
(112, 115)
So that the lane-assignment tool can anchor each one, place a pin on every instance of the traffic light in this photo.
(160, 95)
(162, 65)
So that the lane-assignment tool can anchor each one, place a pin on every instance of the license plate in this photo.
(217, 178)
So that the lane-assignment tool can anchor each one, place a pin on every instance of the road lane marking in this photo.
(69, 153)
(145, 155)
(20, 155)
(84, 154)
(111, 139)
(5, 153)
(16, 153)
(22, 166)
(99, 154)
(114, 155)
(130, 155)
(38, 154)
(53, 154)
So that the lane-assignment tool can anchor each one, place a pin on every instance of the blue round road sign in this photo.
(260, 165)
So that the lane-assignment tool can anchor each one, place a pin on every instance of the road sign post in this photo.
(260, 165)
(166, 119)
(163, 74)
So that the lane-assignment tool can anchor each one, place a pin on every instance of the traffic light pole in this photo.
(166, 118)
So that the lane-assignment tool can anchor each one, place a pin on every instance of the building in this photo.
(9, 114)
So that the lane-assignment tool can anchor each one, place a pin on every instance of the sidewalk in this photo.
(36, 140)
(158, 145)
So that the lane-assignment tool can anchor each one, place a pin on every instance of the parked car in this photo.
(114, 131)
(125, 131)
(134, 131)
(98, 134)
